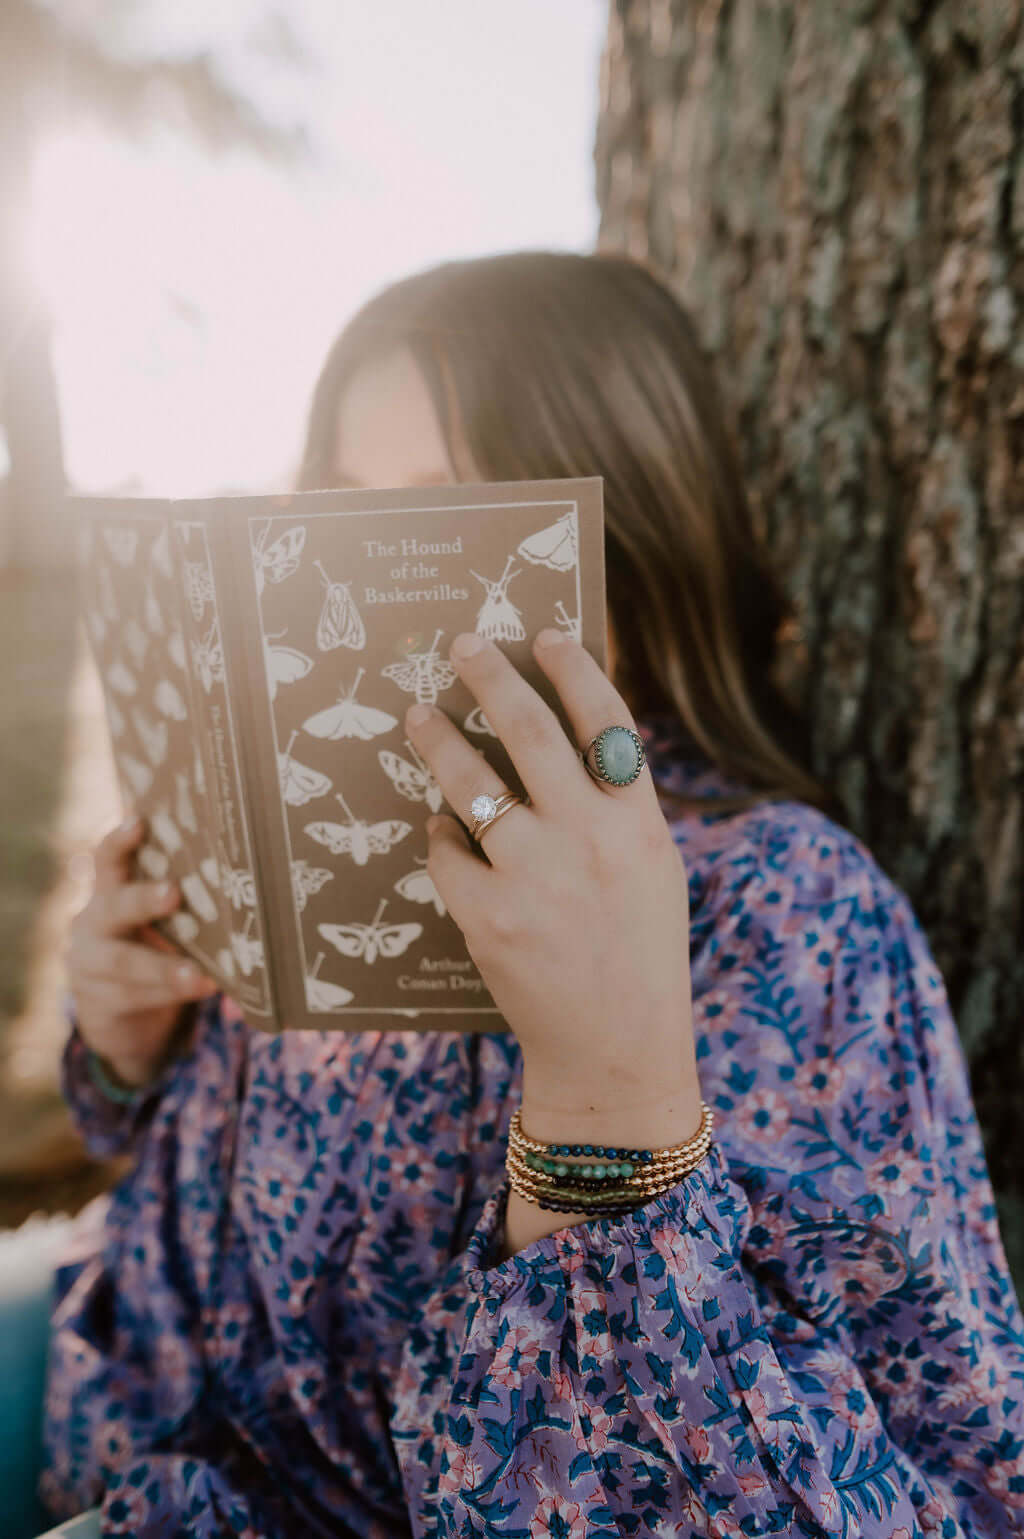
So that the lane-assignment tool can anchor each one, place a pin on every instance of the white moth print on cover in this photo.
(107, 596)
(168, 701)
(184, 927)
(554, 546)
(349, 719)
(121, 544)
(356, 838)
(424, 674)
(138, 775)
(198, 897)
(418, 887)
(238, 885)
(183, 807)
(151, 611)
(176, 650)
(136, 641)
(121, 678)
(198, 587)
(284, 664)
(299, 784)
(307, 880)
(370, 941)
(476, 721)
(413, 781)
(208, 658)
(498, 618)
(152, 862)
(152, 735)
(248, 952)
(166, 830)
(321, 995)
(567, 622)
(275, 562)
(160, 554)
(340, 623)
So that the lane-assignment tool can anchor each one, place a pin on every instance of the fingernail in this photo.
(467, 644)
(417, 714)
(549, 637)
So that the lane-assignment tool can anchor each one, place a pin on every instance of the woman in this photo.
(317, 1307)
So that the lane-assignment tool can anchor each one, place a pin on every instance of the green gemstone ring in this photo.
(618, 755)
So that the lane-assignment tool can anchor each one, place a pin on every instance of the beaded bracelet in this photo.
(612, 1180)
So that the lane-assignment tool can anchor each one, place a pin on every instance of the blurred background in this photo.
(193, 198)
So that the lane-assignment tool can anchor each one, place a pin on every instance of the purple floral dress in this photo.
(293, 1321)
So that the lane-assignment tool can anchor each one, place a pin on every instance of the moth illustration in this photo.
(183, 808)
(498, 618)
(284, 664)
(356, 838)
(418, 887)
(168, 701)
(208, 658)
(152, 735)
(198, 587)
(554, 546)
(275, 562)
(138, 775)
(248, 952)
(136, 641)
(299, 784)
(340, 623)
(198, 897)
(121, 678)
(348, 719)
(566, 621)
(476, 721)
(307, 880)
(238, 885)
(121, 544)
(423, 673)
(413, 781)
(370, 941)
(321, 995)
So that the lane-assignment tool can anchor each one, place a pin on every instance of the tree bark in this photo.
(835, 189)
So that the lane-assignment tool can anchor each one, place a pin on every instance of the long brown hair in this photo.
(546, 364)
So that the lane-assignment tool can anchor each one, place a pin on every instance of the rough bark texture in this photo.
(836, 189)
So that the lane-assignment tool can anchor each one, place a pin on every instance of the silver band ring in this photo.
(618, 755)
(488, 809)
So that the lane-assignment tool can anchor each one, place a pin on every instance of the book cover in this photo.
(257, 656)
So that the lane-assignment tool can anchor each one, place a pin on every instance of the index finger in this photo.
(111, 863)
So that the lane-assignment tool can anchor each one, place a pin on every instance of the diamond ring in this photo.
(488, 809)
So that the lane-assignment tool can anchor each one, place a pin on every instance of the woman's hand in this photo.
(129, 996)
(579, 923)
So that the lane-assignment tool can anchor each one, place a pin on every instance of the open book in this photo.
(257, 656)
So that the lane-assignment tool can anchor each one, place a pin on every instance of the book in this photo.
(257, 656)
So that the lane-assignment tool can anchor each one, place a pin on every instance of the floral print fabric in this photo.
(294, 1320)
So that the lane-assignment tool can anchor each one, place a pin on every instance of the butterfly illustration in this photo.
(347, 719)
(121, 544)
(340, 623)
(176, 649)
(208, 658)
(419, 888)
(370, 941)
(299, 784)
(184, 809)
(152, 862)
(307, 880)
(184, 927)
(423, 672)
(168, 701)
(554, 546)
(566, 621)
(198, 897)
(476, 721)
(277, 561)
(165, 830)
(238, 885)
(198, 587)
(358, 839)
(413, 781)
(152, 612)
(284, 664)
(321, 995)
(160, 555)
(121, 678)
(139, 775)
(153, 736)
(136, 641)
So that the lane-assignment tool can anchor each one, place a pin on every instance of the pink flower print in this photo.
(819, 1081)
(715, 1009)
(892, 1175)
(900, 1533)
(125, 1510)
(699, 1443)
(980, 1213)
(463, 1472)
(763, 1115)
(516, 1357)
(601, 1428)
(561, 1384)
(752, 1484)
(996, 1480)
(115, 1445)
(228, 1329)
(667, 1244)
(558, 1518)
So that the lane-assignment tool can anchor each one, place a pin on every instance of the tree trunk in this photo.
(836, 190)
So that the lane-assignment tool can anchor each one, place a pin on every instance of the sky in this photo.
(194, 297)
